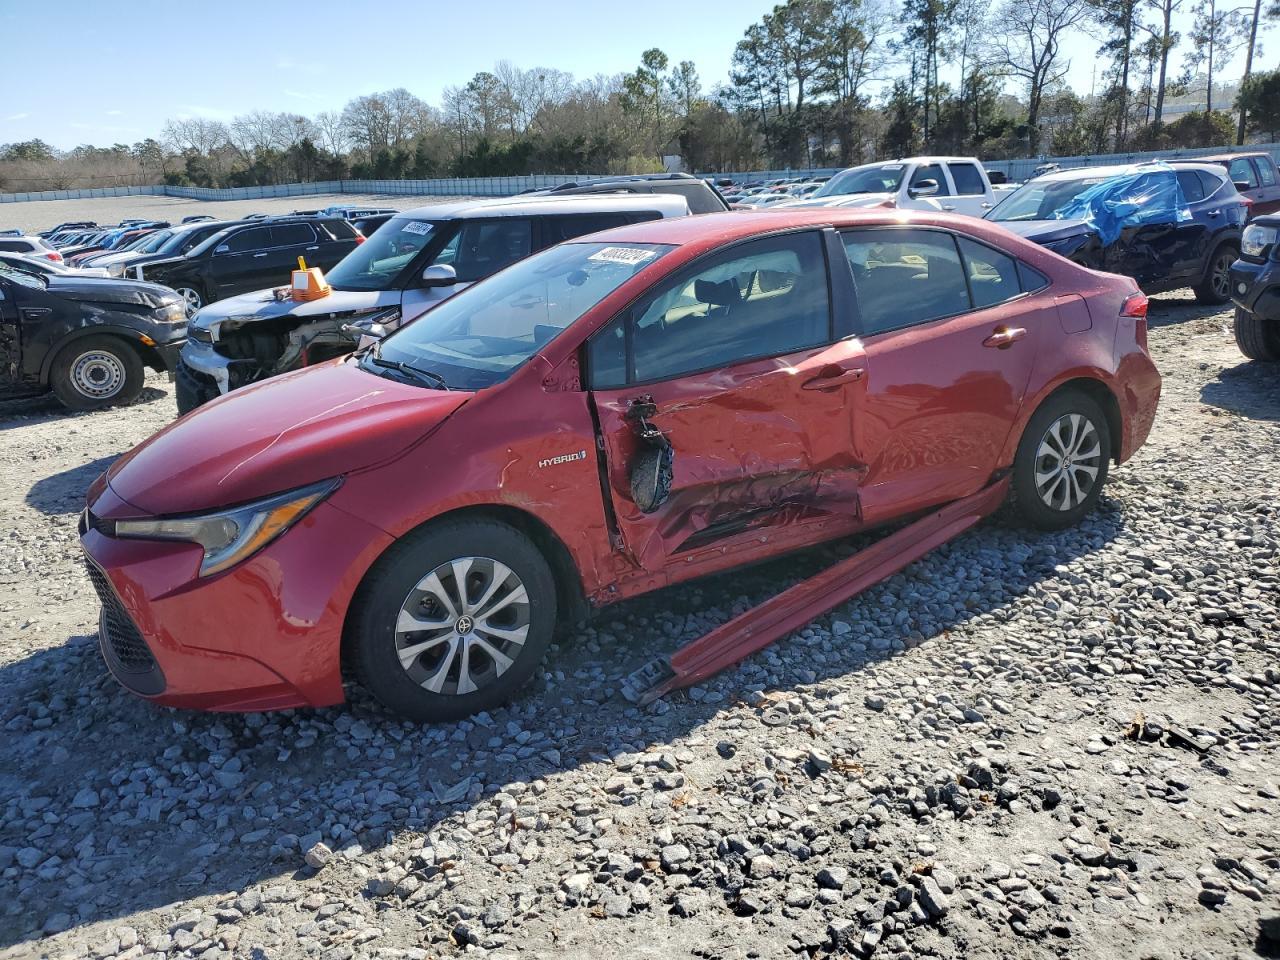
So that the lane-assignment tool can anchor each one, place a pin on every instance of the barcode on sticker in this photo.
(628, 255)
(416, 226)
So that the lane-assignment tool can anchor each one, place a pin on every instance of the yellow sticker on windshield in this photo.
(628, 255)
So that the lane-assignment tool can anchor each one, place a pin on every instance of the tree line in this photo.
(813, 83)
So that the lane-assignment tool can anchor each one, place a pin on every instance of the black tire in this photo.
(391, 585)
(1215, 288)
(95, 372)
(1257, 338)
(1027, 505)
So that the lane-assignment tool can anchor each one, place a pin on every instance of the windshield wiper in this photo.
(407, 369)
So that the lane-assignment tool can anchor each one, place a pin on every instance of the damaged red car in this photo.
(612, 415)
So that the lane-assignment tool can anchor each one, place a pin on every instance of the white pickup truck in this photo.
(951, 184)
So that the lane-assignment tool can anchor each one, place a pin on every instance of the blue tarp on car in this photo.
(1130, 200)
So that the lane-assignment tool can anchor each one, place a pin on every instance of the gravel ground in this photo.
(36, 215)
(1024, 746)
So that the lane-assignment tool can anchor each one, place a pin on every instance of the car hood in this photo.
(102, 290)
(1046, 231)
(262, 305)
(276, 435)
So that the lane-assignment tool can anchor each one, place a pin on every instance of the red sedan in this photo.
(610, 416)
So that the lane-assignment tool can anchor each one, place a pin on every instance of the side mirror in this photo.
(439, 275)
(1241, 185)
(924, 188)
(222, 248)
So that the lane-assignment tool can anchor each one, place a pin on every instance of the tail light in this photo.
(1248, 207)
(359, 238)
(55, 256)
(1135, 306)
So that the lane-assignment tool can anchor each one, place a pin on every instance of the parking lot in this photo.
(1026, 745)
(36, 215)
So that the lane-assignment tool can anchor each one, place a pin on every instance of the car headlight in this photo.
(1258, 240)
(115, 270)
(230, 536)
(175, 312)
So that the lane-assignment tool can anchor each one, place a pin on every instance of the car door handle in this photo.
(832, 376)
(36, 313)
(1213, 213)
(313, 248)
(947, 207)
(985, 205)
(257, 255)
(1005, 337)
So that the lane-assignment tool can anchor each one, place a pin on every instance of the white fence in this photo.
(508, 186)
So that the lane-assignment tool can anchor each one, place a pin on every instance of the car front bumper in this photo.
(203, 359)
(1255, 287)
(265, 635)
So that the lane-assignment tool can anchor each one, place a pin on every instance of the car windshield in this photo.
(22, 277)
(881, 178)
(173, 242)
(151, 242)
(478, 337)
(1041, 199)
(374, 264)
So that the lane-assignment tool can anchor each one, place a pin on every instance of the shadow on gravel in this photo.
(1180, 307)
(63, 493)
(20, 412)
(114, 806)
(1251, 389)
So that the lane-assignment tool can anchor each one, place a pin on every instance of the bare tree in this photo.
(331, 132)
(1028, 44)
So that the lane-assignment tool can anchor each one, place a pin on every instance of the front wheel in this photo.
(95, 372)
(1216, 286)
(1258, 339)
(453, 620)
(193, 297)
(1061, 463)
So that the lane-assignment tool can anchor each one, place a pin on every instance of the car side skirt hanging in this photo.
(755, 629)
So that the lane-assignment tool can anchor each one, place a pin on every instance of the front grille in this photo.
(119, 634)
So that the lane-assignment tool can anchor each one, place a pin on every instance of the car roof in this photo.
(1118, 170)
(1222, 157)
(670, 205)
(714, 229)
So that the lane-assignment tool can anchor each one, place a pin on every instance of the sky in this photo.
(102, 73)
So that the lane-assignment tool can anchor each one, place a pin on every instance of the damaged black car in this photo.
(87, 340)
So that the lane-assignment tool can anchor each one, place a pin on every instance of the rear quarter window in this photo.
(1266, 171)
(337, 230)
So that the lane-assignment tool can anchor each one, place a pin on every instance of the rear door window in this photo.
(292, 235)
(1211, 183)
(1192, 188)
(558, 229)
(1266, 174)
(968, 179)
(1241, 169)
(993, 276)
(905, 277)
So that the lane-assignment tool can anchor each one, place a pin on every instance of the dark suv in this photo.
(700, 195)
(87, 340)
(1255, 289)
(251, 256)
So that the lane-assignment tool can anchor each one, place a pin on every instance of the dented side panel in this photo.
(747, 441)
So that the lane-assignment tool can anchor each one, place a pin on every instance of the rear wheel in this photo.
(1061, 463)
(95, 372)
(453, 620)
(1216, 286)
(1257, 338)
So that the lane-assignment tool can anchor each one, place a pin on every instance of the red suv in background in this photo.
(607, 417)
(1255, 176)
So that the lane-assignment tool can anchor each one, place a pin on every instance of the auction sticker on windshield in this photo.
(416, 226)
(628, 255)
